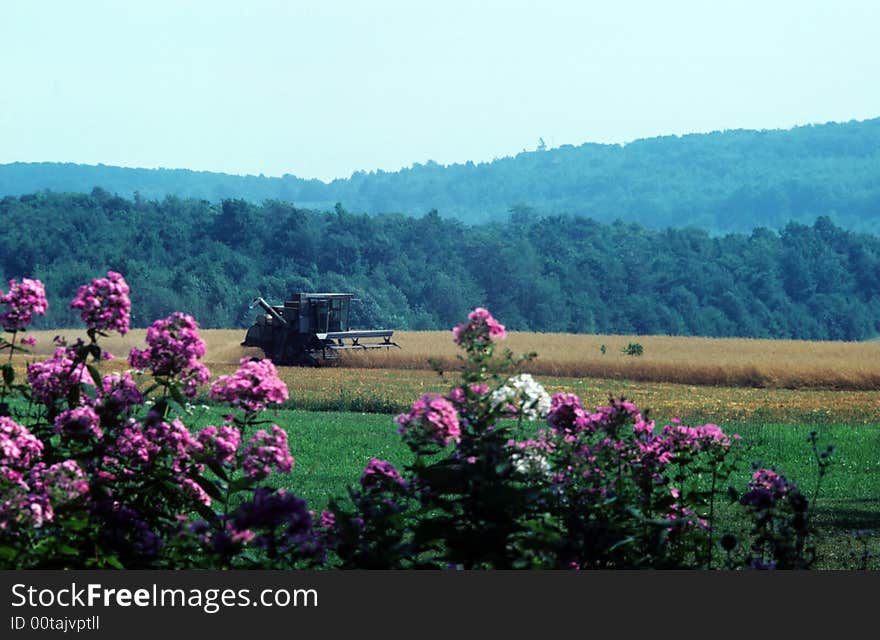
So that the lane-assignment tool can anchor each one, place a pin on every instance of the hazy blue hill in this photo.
(723, 181)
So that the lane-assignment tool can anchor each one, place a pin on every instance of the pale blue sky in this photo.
(323, 88)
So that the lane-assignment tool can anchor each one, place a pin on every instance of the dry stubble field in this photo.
(684, 377)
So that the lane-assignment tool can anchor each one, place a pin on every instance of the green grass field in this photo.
(332, 448)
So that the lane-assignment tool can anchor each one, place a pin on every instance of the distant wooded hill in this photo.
(560, 273)
(722, 182)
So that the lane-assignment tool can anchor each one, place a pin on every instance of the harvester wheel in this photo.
(306, 359)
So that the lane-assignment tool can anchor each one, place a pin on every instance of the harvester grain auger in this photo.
(310, 329)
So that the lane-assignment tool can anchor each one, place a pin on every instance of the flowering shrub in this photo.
(481, 327)
(252, 387)
(56, 378)
(431, 421)
(25, 299)
(603, 488)
(104, 304)
(99, 473)
(173, 354)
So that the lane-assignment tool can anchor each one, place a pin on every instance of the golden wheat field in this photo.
(675, 377)
(774, 364)
(695, 361)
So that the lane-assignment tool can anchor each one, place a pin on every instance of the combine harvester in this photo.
(310, 329)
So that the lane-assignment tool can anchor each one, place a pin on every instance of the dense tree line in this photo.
(723, 181)
(556, 273)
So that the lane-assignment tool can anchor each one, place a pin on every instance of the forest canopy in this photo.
(556, 273)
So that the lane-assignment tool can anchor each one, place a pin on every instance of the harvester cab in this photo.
(309, 329)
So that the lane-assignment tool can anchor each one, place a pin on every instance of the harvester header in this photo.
(309, 329)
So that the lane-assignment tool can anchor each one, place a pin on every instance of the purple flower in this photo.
(567, 415)
(19, 448)
(24, 299)
(104, 304)
(266, 450)
(459, 395)
(481, 327)
(220, 443)
(174, 350)
(54, 378)
(766, 489)
(701, 438)
(143, 444)
(270, 508)
(125, 530)
(282, 519)
(196, 490)
(62, 482)
(255, 384)
(18, 508)
(432, 418)
(119, 392)
(80, 423)
(327, 520)
(381, 475)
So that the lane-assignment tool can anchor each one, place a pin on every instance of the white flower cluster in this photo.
(530, 462)
(526, 394)
(190, 408)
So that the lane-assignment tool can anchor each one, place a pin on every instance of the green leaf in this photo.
(150, 389)
(209, 487)
(8, 553)
(8, 374)
(206, 512)
(240, 484)
(76, 524)
(217, 468)
(177, 395)
(621, 543)
(96, 375)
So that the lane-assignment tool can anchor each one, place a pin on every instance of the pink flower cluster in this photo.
(220, 444)
(618, 435)
(460, 397)
(80, 423)
(19, 448)
(28, 488)
(24, 299)
(54, 378)
(62, 482)
(766, 489)
(567, 415)
(104, 304)
(174, 349)
(568, 418)
(266, 450)
(119, 392)
(698, 438)
(681, 516)
(481, 327)
(255, 384)
(432, 418)
(141, 445)
(380, 475)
